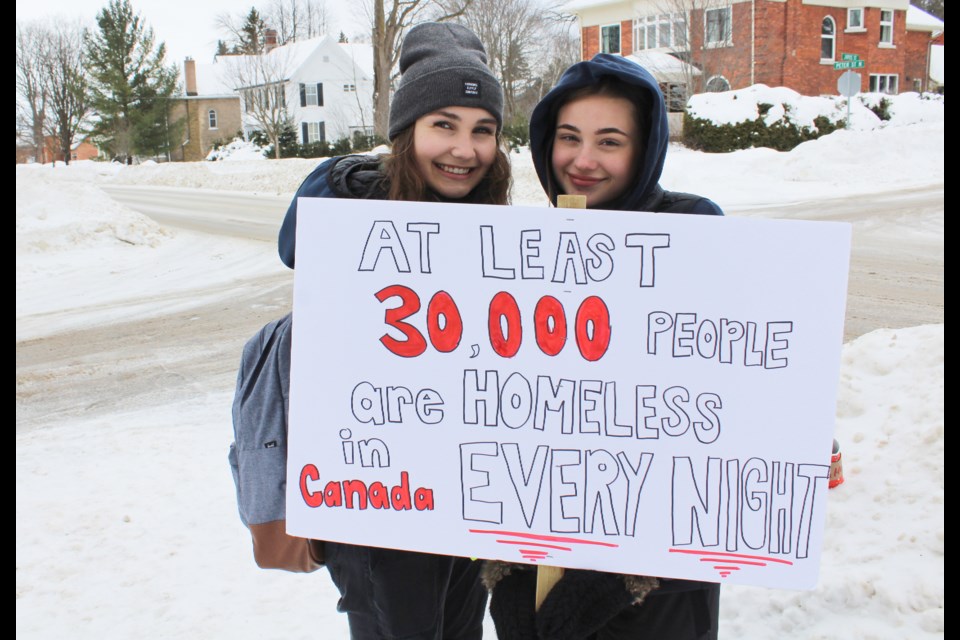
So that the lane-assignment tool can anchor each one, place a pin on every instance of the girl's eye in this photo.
(566, 137)
(486, 131)
(443, 124)
(610, 143)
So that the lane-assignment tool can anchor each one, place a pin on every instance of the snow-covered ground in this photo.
(127, 523)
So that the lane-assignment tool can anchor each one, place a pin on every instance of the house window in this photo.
(717, 84)
(828, 39)
(718, 27)
(212, 118)
(349, 87)
(886, 26)
(311, 94)
(855, 19)
(664, 31)
(883, 82)
(313, 132)
(610, 39)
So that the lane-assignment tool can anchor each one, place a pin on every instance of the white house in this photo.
(324, 87)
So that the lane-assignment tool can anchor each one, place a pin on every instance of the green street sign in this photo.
(848, 64)
(849, 56)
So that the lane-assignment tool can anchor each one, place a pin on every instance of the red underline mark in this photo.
(729, 556)
(534, 552)
(534, 536)
(722, 568)
(755, 564)
(535, 544)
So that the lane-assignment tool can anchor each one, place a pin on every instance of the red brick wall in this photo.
(731, 62)
(787, 47)
(916, 50)
(626, 37)
(589, 42)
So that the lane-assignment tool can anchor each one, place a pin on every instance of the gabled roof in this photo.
(920, 20)
(663, 66)
(361, 54)
(282, 61)
(213, 79)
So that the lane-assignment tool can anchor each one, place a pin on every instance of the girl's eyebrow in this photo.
(597, 132)
(452, 116)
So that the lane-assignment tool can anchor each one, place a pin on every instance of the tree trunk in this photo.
(381, 72)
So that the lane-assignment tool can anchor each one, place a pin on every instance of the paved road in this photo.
(896, 280)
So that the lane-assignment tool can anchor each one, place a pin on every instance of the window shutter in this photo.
(306, 134)
(323, 131)
(303, 96)
(319, 94)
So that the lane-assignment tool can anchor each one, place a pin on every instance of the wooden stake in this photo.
(547, 576)
(571, 202)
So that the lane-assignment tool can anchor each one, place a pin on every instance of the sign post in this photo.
(849, 83)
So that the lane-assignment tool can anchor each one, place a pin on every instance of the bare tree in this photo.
(32, 96)
(557, 48)
(297, 19)
(529, 44)
(67, 87)
(261, 81)
(390, 20)
(509, 30)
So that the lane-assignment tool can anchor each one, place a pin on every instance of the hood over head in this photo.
(583, 74)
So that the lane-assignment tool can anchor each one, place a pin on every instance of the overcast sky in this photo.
(187, 27)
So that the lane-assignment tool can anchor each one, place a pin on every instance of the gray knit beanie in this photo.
(443, 65)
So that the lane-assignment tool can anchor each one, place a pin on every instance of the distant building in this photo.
(729, 44)
(210, 111)
(80, 150)
(325, 86)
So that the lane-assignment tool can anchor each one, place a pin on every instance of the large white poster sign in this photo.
(638, 393)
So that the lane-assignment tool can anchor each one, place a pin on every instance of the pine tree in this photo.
(131, 86)
(252, 34)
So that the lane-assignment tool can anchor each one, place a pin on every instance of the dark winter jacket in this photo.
(357, 176)
(647, 195)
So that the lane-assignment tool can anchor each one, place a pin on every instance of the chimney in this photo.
(269, 40)
(190, 76)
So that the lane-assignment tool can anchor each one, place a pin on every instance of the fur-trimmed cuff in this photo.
(640, 586)
(494, 571)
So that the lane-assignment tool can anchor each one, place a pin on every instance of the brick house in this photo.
(80, 150)
(793, 43)
(210, 112)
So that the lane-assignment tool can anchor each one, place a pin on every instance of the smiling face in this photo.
(595, 148)
(454, 148)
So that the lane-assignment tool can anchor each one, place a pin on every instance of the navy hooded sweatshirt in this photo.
(647, 195)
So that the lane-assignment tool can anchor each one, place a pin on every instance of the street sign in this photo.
(848, 64)
(849, 56)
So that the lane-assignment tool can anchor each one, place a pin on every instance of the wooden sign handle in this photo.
(547, 576)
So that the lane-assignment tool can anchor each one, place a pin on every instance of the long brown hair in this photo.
(405, 182)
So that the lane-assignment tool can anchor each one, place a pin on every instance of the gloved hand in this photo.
(513, 590)
(581, 603)
(584, 601)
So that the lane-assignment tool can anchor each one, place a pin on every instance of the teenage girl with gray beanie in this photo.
(445, 124)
